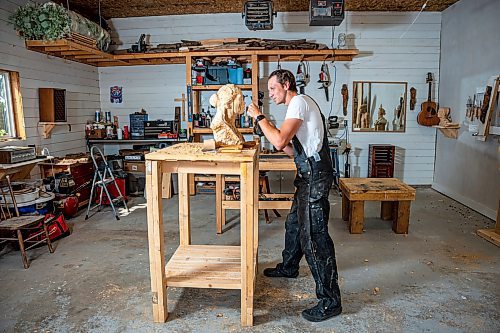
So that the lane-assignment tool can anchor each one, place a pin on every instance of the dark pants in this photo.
(307, 233)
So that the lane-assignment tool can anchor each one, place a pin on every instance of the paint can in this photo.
(107, 116)
(97, 117)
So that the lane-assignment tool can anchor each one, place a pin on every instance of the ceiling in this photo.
(133, 8)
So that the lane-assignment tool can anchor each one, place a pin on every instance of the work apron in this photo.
(307, 223)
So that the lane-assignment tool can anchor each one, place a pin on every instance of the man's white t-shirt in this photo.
(310, 133)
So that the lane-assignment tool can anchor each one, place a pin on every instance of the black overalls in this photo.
(307, 223)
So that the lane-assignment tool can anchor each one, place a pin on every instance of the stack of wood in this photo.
(82, 40)
(236, 44)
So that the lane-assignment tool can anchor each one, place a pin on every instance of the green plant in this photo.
(49, 21)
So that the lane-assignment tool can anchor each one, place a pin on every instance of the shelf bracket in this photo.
(449, 132)
(49, 127)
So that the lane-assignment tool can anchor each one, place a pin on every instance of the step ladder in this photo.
(102, 177)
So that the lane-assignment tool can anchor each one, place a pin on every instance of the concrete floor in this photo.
(439, 278)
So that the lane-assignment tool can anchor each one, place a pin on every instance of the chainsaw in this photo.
(324, 79)
(302, 77)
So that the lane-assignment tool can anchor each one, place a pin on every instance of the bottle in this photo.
(208, 119)
(203, 118)
(119, 133)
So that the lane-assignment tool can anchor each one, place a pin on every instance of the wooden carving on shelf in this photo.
(229, 104)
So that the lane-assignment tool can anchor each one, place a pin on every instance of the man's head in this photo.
(281, 86)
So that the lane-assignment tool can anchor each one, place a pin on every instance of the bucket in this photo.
(236, 75)
(45, 204)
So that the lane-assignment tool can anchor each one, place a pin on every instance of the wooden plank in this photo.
(356, 217)
(248, 188)
(490, 235)
(17, 103)
(166, 184)
(402, 217)
(194, 152)
(386, 208)
(202, 266)
(346, 209)
(156, 241)
(184, 210)
(376, 189)
(201, 167)
(218, 202)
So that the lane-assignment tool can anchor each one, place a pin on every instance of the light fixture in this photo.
(258, 14)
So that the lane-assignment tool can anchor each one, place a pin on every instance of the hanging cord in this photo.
(333, 35)
(333, 89)
(420, 12)
(67, 4)
(100, 23)
(46, 150)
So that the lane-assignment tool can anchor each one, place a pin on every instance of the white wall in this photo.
(37, 70)
(384, 57)
(467, 169)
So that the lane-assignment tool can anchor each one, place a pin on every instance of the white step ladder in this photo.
(102, 177)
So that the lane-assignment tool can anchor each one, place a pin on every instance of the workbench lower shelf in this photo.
(205, 266)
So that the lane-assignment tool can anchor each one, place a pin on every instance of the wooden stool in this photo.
(395, 197)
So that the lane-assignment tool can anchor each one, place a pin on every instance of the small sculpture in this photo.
(413, 98)
(364, 116)
(345, 98)
(445, 118)
(229, 104)
(381, 122)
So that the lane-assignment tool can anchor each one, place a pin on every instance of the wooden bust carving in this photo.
(364, 116)
(229, 104)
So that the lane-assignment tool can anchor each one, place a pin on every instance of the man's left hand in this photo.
(253, 110)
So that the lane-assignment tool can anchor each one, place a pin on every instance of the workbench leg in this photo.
(218, 202)
(249, 185)
(156, 241)
(184, 210)
(345, 207)
(256, 225)
(192, 185)
(386, 210)
(402, 217)
(356, 217)
(166, 189)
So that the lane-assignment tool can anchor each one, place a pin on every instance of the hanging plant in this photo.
(49, 21)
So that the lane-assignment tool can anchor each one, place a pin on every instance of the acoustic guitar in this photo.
(428, 114)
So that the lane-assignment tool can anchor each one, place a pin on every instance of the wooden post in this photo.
(386, 210)
(156, 240)
(345, 207)
(184, 210)
(402, 217)
(218, 202)
(248, 189)
(356, 217)
(166, 189)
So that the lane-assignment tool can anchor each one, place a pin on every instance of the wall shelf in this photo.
(449, 132)
(71, 50)
(217, 87)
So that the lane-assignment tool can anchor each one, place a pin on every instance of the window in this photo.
(11, 110)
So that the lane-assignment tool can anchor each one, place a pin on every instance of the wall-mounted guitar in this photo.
(428, 115)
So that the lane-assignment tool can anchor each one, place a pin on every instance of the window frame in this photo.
(16, 103)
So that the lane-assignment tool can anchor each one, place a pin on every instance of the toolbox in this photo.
(153, 128)
(13, 154)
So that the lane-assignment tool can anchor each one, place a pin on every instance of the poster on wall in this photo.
(116, 94)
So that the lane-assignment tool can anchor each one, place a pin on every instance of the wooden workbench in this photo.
(394, 195)
(202, 266)
(281, 200)
(20, 170)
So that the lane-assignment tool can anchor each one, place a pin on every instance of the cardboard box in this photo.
(135, 166)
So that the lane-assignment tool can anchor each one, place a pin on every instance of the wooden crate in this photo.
(381, 161)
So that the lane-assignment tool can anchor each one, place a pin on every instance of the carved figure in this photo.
(413, 98)
(445, 118)
(364, 116)
(381, 122)
(229, 104)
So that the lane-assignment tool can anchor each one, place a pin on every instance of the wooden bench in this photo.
(394, 195)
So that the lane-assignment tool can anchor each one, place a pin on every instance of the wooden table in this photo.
(395, 197)
(267, 164)
(202, 266)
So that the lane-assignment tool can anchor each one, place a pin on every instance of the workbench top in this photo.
(193, 152)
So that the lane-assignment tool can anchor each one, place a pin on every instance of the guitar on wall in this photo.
(428, 114)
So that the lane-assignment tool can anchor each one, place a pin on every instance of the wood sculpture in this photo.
(229, 104)
(345, 98)
(381, 122)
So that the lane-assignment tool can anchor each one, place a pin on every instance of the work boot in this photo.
(320, 312)
(279, 272)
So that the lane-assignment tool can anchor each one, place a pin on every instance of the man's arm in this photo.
(279, 137)
(288, 150)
